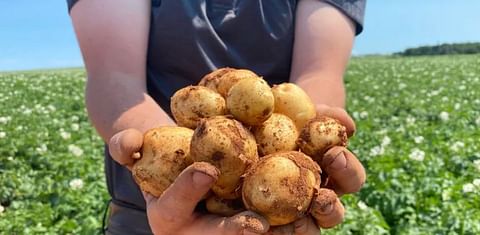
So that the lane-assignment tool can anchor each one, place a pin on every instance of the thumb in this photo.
(177, 204)
(125, 145)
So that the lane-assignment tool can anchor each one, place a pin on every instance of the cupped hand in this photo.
(174, 211)
(343, 173)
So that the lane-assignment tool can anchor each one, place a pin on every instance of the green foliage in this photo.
(443, 49)
(51, 161)
(418, 120)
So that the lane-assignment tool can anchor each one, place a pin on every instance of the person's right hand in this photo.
(173, 212)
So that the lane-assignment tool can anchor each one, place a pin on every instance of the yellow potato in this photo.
(211, 80)
(192, 103)
(319, 135)
(221, 80)
(281, 186)
(250, 101)
(292, 101)
(276, 134)
(227, 145)
(224, 207)
(165, 153)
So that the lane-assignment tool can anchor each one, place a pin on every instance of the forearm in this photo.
(116, 102)
(323, 43)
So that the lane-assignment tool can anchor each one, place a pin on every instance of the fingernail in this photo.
(326, 210)
(339, 162)
(201, 179)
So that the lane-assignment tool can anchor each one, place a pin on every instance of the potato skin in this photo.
(319, 135)
(224, 207)
(292, 101)
(281, 186)
(229, 146)
(276, 134)
(221, 80)
(250, 101)
(192, 103)
(165, 154)
(210, 80)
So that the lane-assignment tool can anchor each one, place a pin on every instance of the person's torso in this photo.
(190, 38)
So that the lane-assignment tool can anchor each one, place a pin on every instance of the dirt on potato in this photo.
(229, 146)
(281, 186)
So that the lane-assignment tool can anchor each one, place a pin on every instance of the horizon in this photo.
(40, 35)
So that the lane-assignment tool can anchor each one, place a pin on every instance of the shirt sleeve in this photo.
(354, 9)
(70, 4)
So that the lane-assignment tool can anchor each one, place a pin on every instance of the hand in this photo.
(345, 175)
(173, 212)
(343, 171)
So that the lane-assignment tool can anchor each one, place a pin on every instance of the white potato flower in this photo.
(418, 139)
(76, 184)
(362, 205)
(377, 150)
(386, 141)
(457, 146)
(417, 155)
(75, 150)
(468, 188)
(444, 116)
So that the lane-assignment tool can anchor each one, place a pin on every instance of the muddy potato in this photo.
(211, 80)
(250, 101)
(221, 80)
(224, 207)
(319, 135)
(276, 134)
(192, 103)
(229, 146)
(165, 153)
(292, 101)
(281, 186)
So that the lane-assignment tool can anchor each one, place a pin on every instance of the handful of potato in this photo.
(265, 141)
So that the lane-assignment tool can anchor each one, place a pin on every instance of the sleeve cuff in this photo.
(354, 9)
(70, 4)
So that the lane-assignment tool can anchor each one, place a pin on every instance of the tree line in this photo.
(443, 49)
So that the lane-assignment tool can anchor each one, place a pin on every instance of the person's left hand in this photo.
(345, 174)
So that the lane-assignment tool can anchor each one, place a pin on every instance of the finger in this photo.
(124, 145)
(340, 114)
(177, 203)
(327, 210)
(246, 222)
(287, 229)
(345, 172)
(306, 226)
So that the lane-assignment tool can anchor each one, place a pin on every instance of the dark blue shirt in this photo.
(190, 38)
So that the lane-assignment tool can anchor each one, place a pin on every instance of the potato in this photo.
(250, 101)
(281, 186)
(292, 101)
(227, 145)
(165, 153)
(221, 80)
(211, 80)
(192, 103)
(276, 134)
(224, 207)
(319, 135)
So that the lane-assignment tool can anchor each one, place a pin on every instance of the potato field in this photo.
(418, 136)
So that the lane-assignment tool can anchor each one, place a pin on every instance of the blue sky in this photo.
(38, 34)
